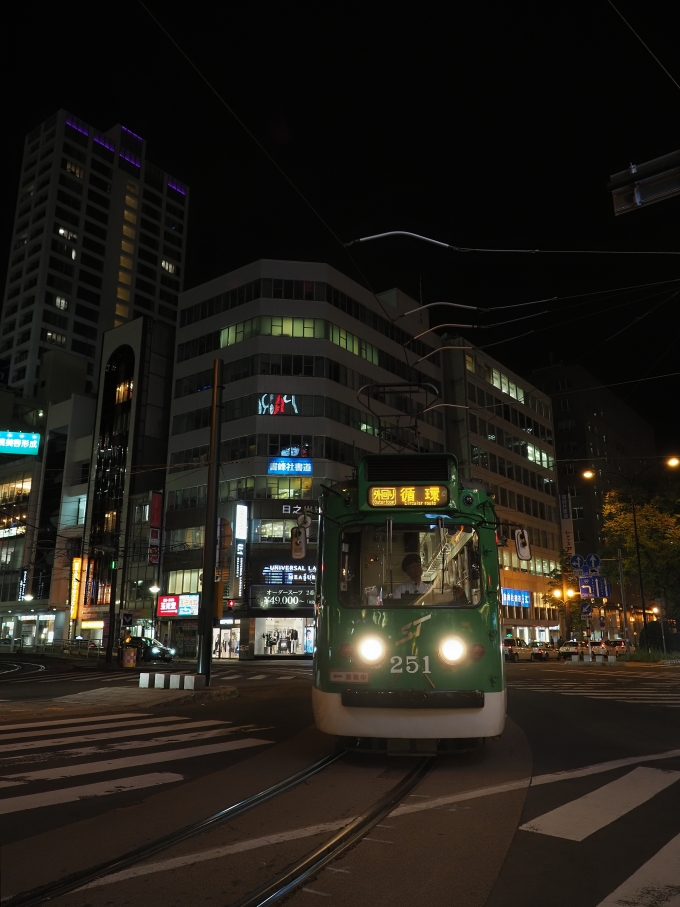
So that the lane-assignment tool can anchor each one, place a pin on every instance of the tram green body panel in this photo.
(408, 632)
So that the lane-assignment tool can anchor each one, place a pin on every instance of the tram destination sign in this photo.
(408, 496)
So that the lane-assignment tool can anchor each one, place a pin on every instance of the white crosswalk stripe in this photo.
(115, 746)
(640, 689)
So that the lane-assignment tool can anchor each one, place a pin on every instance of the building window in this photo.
(123, 294)
(124, 391)
(130, 217)
(124, 278)
(128, 231)
(577, 513)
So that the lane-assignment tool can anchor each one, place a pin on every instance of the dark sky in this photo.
(496, 126)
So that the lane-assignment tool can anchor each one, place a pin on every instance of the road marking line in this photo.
(85, 791)
(140, 722)
(312, 830)
(217, 852)
(378, 840)
(12, 727)
(258, 677)
(656, 882)
(324, 894)
(581, 818)
(93, 738)
(111, 765)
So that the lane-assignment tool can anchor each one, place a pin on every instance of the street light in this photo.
(564, 595)
(663, 635)
(154, 590)
(590, 474)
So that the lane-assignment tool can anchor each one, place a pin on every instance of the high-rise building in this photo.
(594, 429)
(502, 434)
(299, 340)
(99, 239)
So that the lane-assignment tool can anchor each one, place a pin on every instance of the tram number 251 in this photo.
(412, 664)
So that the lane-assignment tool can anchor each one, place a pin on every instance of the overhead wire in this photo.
(646, 47)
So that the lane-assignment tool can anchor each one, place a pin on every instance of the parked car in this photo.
(538, 651)
(572, 647)
(149, 649)
(600, 647)
(617, 647)
(550, 651)
(516, 649)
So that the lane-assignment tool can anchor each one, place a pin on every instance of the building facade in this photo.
(299, 341)
(99, 238)
(502, 435)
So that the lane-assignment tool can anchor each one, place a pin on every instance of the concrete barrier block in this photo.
(574, 659)
(161, 681)
(587, 658)
(144, 679)
(611, 659)
(599, 658)
(194, 681)
(176, 681)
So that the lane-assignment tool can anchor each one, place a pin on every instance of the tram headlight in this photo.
(371, 650)
(452, 650)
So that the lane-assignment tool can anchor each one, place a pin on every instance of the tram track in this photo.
(77, 880)
(280, 885)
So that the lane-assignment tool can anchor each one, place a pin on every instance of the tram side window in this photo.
(410, 565)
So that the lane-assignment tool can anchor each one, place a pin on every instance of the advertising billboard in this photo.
(19, 442)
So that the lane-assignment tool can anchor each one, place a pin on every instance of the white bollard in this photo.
(611, 659)
(161, 681)
(588, 658)
(144, 679)
(176, 681)
(194, 681)
(574, 659)
(599, 659)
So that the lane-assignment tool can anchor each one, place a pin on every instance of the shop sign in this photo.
(349, 676)
(299, 508)
(293, 597)
(276, 404)
(286, 574)
(168, 605)
(188, 605)
(516, 597)
(11, 531)
(19, 442)
(76, 570)
(279, 466)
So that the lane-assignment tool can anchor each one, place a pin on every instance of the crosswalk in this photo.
(642, 689)
(107, 677)
(43, 763)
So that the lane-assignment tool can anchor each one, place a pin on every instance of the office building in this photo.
(502, 434)
(298, 341)
(99, 239)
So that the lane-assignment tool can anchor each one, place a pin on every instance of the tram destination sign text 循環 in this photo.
(408, 495)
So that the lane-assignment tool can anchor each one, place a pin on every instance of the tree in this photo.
(658, 522)
(561, 579)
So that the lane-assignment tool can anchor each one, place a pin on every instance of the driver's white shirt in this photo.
(410, 588)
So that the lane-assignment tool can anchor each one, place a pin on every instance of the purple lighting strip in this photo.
(130, 157)
(100, 140)
(130, 132)
(77, 125)
(177, 186)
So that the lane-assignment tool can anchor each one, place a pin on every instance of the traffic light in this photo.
(298, 543)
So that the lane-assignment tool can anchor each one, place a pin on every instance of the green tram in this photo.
(408, 640)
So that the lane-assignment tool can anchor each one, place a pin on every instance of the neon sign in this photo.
(281, 466)
(516, 597)
(19, 442)
(408, 496)
(277, 404)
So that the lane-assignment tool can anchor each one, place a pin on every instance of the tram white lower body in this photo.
(332, 717)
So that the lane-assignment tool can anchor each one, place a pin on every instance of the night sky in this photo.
(496, 126)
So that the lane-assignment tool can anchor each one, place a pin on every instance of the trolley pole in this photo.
(205, 615)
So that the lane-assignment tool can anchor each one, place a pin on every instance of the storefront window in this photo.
(284, 636)
(226, 639)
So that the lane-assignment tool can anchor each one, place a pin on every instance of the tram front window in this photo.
(410, 566)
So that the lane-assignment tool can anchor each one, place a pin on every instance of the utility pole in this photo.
(205, 614)
(623, 601)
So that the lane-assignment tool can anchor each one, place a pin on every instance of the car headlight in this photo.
(155, 651)
(172, 651)
(371, 650)
(451, 650)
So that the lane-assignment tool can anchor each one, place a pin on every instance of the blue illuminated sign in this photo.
(19, 442)
(516, 597)
(280, 466)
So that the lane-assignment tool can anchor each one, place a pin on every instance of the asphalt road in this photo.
(582, 786)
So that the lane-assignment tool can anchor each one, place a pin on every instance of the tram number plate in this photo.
(350, 676)
(412, 664)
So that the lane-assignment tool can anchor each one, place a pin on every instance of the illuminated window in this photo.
(75, 170)
(131, 202)
(128, 231)
(169, 267)
(122, 293)
(122, 310)
(127, 247)
(124, 278)
(126, 262)
(61, 303)
(118, 321)
(132, 187)
(469, 362)
(124, 391)
(129, 216)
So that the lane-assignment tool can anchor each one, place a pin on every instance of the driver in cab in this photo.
(413, 568)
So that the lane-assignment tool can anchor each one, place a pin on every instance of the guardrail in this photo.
(82, 648)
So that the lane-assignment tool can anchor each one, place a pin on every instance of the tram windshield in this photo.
(390, 565)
